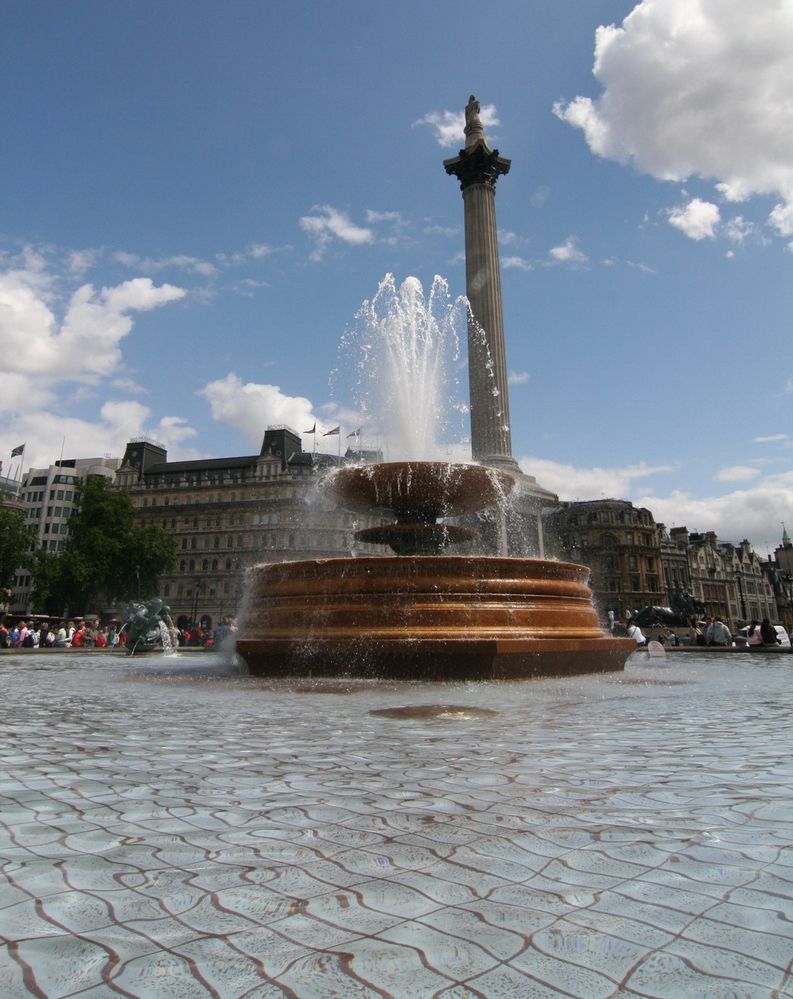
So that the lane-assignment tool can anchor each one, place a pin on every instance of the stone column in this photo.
(478, 167)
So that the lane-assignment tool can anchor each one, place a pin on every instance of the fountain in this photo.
(149, 628)
(421, 613)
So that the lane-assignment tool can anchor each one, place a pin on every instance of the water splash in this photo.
(403, 356)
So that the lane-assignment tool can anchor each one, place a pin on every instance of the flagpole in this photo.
(19, 470)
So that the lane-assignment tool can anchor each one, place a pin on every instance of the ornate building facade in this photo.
(227, 514)
(620, 544)
(637, 563)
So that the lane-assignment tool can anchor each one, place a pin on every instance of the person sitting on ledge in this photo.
(718, 633)
(768, 633)
(635, 632)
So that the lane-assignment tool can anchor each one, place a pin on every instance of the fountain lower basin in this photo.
(446, 617)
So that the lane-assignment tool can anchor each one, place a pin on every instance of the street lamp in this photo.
(194, 615)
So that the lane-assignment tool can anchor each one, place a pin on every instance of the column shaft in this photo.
(487, 367)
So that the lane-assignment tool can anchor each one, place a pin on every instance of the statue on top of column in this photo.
(472, 110)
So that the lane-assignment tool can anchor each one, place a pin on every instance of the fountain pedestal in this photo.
(449, 617)
(418, 616)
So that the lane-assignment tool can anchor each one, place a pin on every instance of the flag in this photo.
(355, 433)
(17, 450)
(313, 430)
(336, 430)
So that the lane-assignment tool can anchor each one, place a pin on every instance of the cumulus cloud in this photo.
(55, 338)
(753, 513)
(448, 126)
(698, 219)
(328, 224)
(115, 423)
(516, 263)
(571, 483)
(518, 377)
(698, 88)
(251, 407)
(85, 343)
(568, 253)
(737, 473)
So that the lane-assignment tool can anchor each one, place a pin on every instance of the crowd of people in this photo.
(710, 632)
(67, 634)
(33, 634)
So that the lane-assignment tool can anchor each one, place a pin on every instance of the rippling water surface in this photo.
(171, 829)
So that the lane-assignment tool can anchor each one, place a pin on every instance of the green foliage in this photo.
(15, 543)
(106, 558)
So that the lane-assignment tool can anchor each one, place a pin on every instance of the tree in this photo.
(16, 541)
(105, 557)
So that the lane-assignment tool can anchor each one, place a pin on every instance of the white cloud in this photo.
(754, 513)
(736, 473)
(51, 344)
(251, 407)
(571, 483)
(43, 350)
(516, 263)
(179, 261)
(260, 250)
(568, 253)
(46, 431)
(737, 229)
(698, 219)
(328, 224)
(449, 126)
(772, 438)
(373, 217)
(518, 377)
(81, 261)
(698, 88)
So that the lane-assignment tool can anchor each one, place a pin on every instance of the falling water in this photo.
(403, 355)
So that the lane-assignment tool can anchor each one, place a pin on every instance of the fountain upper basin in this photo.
(421, 490)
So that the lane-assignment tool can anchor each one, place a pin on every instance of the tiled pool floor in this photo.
(171, 833)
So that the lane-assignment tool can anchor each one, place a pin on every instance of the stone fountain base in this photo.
(425, 617)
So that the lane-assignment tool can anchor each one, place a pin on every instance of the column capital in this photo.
(477, 164)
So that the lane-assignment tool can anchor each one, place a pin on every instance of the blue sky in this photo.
(197, 197)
